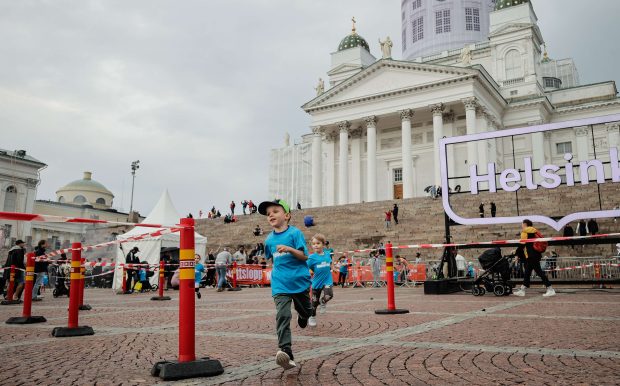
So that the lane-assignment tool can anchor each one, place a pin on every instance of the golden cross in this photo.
(353, 20)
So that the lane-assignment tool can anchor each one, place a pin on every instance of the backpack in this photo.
(540, 246)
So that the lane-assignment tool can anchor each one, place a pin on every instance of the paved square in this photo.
(573, 338)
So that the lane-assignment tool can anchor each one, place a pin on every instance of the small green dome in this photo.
(353, 40)
(501, 4)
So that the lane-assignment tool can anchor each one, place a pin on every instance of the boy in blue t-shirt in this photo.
(198, 271)
(321, 264)
(290, 277)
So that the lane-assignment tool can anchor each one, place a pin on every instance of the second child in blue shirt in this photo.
(290, 277)
(320, 263)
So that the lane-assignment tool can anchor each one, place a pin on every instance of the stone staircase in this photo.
(421, 220)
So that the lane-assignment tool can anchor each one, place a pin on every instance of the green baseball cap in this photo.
(262, 208)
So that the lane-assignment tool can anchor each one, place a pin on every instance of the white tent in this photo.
(163, 213)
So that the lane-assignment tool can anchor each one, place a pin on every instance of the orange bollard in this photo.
(11, 291)
(73, 329)
(83, 307)
(187, 366)
(234, 278)
(26, 317)
(389, 268)
(161, 284)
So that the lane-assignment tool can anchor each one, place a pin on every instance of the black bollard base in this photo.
(234, 289)
(65, 332)
(161, 298)
(172, 370)
(26, 320)
(392, 312)
(85, 307)
(10, 302)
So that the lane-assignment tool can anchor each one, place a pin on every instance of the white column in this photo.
(317, 189)
(437, 111)
(330, 182)
(470, 124)
(405, 116)
(582, 144)
(356, 165)
(343, 164)
(371, 162)
(613, 135)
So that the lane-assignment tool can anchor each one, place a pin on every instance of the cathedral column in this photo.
(330, 163)
(343, 164)
(613, 135)
(437, 111)
(470, 123)
(317, 189)
(356, 165)
(405, 116)
(371, 162)
(582, 144)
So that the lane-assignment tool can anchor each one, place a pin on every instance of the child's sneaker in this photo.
(322, 307)
(550, 292)
(312, 321)
(284, 360)
(198, 295)
(301, 322)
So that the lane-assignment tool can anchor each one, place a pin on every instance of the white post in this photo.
(317, 190)
(405, 116)
(371, 162)
(343, 164)
(356, 165)
(437, 111)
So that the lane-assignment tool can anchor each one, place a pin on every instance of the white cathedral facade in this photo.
(375, 130)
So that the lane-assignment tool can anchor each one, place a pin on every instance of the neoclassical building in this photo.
(375, 131)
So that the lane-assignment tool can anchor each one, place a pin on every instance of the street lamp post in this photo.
(135, 165)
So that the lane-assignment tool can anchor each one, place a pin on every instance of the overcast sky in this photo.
(200, 91)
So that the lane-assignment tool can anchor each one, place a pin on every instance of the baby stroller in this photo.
(61, 287)
(496, 276)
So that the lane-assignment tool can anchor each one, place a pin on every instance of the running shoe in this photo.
(312, 321)
(322, 307)
(284, 360)
(301, 321)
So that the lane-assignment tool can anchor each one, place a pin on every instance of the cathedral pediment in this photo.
(512, 27)
(386, 77)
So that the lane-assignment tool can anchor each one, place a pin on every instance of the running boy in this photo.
(290, 278)
(320, 263)
(198, 271)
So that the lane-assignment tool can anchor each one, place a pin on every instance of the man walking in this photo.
(132, 273)
(222, 260)
(40, 268)
(532, 257)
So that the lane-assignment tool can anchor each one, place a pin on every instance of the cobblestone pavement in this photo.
(573, 338)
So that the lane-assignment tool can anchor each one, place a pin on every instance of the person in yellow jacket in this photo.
(532, 259)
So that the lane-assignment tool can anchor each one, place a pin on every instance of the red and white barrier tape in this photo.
(49, 218)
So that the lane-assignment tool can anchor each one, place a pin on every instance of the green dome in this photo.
(353, 40)
(501, 4)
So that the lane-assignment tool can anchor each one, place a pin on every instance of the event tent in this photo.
(163, 213)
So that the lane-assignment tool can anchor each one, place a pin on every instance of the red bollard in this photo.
(187, 366)
(389, 268)
(83, 307)
(73, 329)
(234, 278)
(161, 284)
(26, 317)
(11, 291)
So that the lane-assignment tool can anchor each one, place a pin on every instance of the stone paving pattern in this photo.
(573, 338)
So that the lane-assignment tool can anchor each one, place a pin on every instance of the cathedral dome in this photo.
(501, 4)
(353, 40)
(85, 192)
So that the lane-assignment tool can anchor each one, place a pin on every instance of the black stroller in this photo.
(61, 287)
(496, 276)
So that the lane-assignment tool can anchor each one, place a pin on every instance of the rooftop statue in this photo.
(386, 48)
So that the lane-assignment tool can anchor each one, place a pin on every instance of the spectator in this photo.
(395, 214)
(375, 267)
(240, 257)
(244, 205)
(388, 219)
(593, 226)
(481, 210)
(470, 270)
(263, 263)
(403, 270)
(258, 231)
(418, 257)
(581, 228)
(616, 208)
(132, 274)
(493, 209)
(189, 215)
(97, 270)
(343, 270)
(222, 261)
(381, 249)
(16, 257)
(328, 250)
(210, 267)
(298, 206)
(232, 207)
(40, 268)
(461, 265)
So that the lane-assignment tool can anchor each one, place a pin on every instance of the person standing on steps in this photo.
(481, 210)
(395, 214)
(388, 219)
(493, 209)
